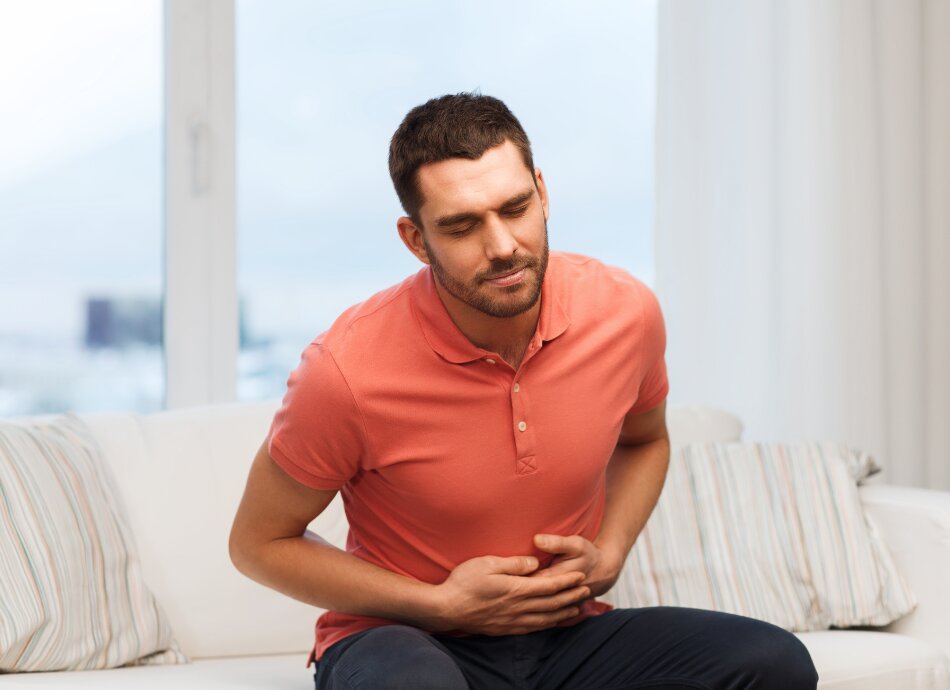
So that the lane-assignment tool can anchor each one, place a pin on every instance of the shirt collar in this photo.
(450, 343)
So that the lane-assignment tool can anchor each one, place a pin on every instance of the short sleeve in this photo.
(654, 385)
(317, 434)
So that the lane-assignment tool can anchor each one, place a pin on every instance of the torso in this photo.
(449, 472)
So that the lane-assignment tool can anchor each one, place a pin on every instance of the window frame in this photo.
(200, 231)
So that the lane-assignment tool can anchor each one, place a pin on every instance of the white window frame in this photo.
(201, 300)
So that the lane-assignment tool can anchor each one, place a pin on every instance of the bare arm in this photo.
(635, 476)
(270, 544)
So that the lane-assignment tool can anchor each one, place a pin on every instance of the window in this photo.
(100, 309)
(80, 206)
(322, 86)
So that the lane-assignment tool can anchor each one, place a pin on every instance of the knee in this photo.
(396, 658)
(776, 659)
(420, 669)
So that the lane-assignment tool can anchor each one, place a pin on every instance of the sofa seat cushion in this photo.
(235, 673)
(845, 659)
(866, 660)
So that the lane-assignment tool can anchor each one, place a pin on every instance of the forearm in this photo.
(484, 595)
(310, 570)
(635, 477)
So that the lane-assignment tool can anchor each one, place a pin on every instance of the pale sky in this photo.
(69, 81)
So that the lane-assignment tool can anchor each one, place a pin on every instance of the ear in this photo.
(411, 236)
(542, 191)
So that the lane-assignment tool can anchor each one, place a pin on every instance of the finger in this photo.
(553, 543)
(515, 565)
(561, 600)
(546, 586)
(560, 567)
(538, 621)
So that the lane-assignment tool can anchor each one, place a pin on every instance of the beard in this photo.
(500, 302)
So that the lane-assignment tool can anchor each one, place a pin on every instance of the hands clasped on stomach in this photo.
(493, 595)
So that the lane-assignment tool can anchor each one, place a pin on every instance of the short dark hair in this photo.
(463, 125)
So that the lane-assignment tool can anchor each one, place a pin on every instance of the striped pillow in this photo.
(773, 531)
(71, 590)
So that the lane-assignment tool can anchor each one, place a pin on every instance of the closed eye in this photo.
(515, 212)
(460, 231)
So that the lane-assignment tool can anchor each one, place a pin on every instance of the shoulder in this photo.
(584, 284)
(364, 325)
(333, 362)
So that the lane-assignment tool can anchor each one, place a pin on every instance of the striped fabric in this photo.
(71, 590)
(773, 531)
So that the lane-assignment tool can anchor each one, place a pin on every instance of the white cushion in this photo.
(287, 672)
(71, 586)
(773, 531)
(690, 424)
(182, 474)
(864, 660)
(916, 525)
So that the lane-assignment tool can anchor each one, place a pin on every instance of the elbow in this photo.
(238, 552)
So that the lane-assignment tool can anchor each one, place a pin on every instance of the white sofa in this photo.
(182, 474)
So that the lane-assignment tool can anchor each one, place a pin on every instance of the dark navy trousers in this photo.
(654, 647)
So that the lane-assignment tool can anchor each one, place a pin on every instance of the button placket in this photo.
(523, 430)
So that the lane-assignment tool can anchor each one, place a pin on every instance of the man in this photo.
(496, 424)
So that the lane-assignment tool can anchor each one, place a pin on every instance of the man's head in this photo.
(464, 125)
(476, 207)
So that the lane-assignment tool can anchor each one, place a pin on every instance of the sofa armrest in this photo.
(915, 523)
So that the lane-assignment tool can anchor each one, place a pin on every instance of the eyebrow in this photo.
(455, 219)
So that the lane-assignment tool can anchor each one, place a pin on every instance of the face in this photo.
(484, 230)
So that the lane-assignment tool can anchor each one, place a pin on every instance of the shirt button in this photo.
(522, 426)
(517, 387)
(489, 360)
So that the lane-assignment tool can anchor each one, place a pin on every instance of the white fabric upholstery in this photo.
(182, 474)
(284, 671)
(773, 531)
(700, 424)
(72, 595)
(916, 525)
(862, 660)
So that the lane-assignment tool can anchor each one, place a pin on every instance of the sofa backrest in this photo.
(182, 474)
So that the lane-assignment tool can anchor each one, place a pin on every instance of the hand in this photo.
(575, 553)
(490, 595)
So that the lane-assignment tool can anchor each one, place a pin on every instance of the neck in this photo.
(508, 336)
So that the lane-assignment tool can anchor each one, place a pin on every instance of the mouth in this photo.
(506, 279)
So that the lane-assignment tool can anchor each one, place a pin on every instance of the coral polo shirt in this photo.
(443, 452)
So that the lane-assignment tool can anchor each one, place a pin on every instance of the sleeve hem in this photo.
(299, 474)
(646, 405)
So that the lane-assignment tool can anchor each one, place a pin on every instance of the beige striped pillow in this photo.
(72, 595)
(773, 531)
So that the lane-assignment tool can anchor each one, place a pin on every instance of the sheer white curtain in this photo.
(803, 220)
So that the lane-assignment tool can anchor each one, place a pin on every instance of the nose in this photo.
(500, 242)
